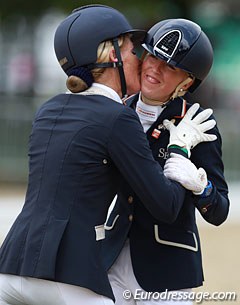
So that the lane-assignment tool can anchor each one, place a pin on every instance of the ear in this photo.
(112, 56)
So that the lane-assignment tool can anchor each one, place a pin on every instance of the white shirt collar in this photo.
(100, 89)
(148, 114)
(113, 94)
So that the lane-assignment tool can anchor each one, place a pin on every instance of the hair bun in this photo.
(84, 73)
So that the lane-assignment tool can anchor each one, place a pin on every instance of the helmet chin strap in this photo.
(118, 64)
(179, 91)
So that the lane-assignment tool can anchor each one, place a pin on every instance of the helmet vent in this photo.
(168, 44)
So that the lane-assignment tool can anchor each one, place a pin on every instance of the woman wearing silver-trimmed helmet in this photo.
(181, 44)
(160, 262)
(81, 146)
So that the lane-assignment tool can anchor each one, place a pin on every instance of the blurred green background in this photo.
(29, 75)
(29, 72)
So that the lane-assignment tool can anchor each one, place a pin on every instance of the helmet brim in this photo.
(137, 36)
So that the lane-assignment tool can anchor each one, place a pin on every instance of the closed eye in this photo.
(171, 67)
(134, 52)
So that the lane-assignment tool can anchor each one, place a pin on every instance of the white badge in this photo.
(100, 232)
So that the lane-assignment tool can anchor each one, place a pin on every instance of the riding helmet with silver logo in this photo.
(182, 44)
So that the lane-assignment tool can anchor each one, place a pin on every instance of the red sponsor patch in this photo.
(156, 133)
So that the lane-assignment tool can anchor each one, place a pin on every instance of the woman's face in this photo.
(159, 79)
(131, 66)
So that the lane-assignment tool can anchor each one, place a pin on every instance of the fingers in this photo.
(170, 166)
(178, 161)
(207, 125)
(209, 137)
(202, 173)
(172, 171)
(203, 116)
(168, 124)
(191, 111)
(171, 175)
(202, 177)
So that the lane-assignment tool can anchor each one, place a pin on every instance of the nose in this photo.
(159, 65)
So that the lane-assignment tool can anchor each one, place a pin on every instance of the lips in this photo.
(151, 79)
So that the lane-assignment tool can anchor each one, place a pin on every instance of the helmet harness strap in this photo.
(118, 64)
(179, 91)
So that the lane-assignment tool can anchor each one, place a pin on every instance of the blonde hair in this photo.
(77, 84)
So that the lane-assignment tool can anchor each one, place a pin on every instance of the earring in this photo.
(181, 90)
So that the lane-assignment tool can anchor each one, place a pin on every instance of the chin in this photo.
(147, 93)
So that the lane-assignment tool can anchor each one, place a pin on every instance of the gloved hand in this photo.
(182, 170)
(190, 132)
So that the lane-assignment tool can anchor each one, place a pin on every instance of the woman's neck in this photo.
(152, 102)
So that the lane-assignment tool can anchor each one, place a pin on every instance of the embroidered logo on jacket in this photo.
(163, 153)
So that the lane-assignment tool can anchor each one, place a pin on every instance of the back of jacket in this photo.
(78, 147)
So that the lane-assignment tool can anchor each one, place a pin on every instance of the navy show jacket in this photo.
(168, 255)
(79, 148)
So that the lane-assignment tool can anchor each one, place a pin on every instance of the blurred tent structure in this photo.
(29, 72)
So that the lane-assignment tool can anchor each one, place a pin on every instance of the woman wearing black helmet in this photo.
(161, 257)
(80, 146)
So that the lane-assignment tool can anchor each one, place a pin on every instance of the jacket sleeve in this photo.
(130, 151)
(213, 208)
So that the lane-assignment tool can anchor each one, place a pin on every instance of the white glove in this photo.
(190, 132)
(182, 170)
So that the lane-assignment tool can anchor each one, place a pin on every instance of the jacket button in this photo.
(130, 199)
(105, 161)
(130, 217)
(204, 210)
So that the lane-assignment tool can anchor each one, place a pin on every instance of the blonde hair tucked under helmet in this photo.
(77, 83)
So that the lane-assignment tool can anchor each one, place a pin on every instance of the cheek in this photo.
(170, 78)
(133, 67)
(144, 65)
(146, 68)
(132, 75)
